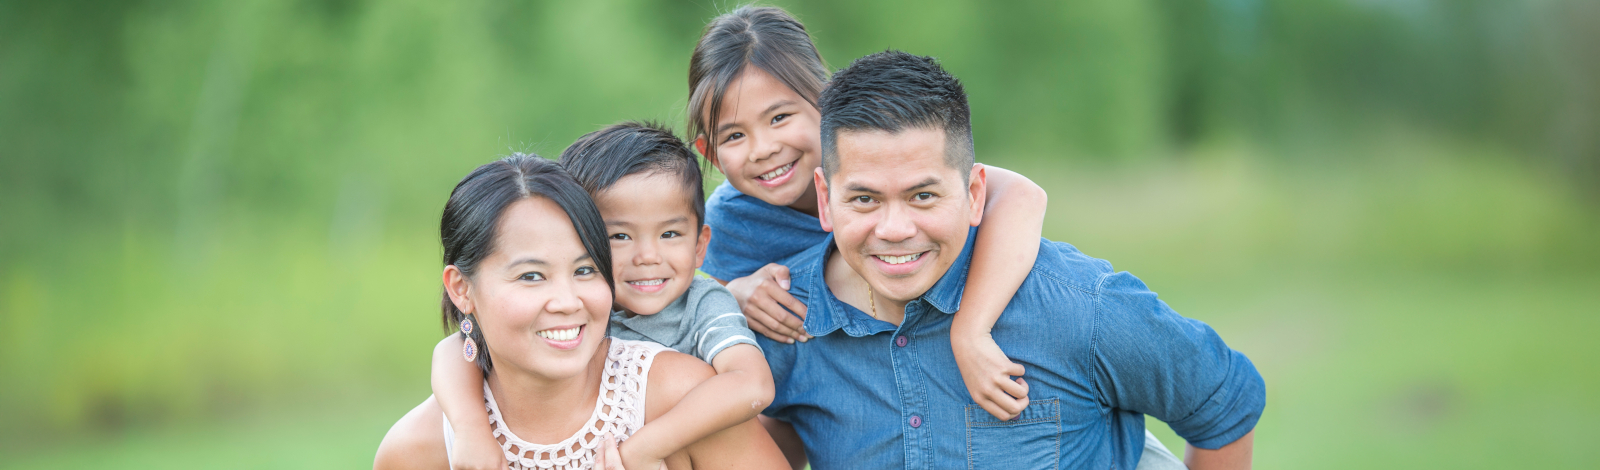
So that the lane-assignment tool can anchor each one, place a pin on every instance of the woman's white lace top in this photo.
(618, 410)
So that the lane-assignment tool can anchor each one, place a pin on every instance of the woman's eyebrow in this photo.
(536, 261)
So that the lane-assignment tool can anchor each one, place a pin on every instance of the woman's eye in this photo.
(733, 136)
(585, 271)
(619, 236)
(779, 118)
(671, 234)
(533, 276)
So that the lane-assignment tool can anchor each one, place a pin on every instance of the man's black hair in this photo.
(890, 91)
(600, 158)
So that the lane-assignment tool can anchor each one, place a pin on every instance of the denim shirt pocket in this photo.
(1032, 440)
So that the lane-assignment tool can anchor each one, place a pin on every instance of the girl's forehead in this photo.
(752, 92)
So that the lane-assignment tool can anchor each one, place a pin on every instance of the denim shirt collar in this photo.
(827, 313)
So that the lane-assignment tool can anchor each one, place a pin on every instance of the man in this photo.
(878, 386)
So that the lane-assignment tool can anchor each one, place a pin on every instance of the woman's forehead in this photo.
(536, 227)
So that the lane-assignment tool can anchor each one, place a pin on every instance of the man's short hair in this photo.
(893, 90)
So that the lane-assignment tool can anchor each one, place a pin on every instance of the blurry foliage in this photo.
(214, 207)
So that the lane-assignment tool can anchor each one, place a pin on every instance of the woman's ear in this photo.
(457, 286)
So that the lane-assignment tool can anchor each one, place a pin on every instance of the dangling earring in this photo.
(469, 348)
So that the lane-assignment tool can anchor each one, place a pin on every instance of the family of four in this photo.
(877, 298)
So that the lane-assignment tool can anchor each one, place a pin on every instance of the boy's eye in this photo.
(671, 234)
(619, 236)
(531, 276)
(779, 118)
(733, 136)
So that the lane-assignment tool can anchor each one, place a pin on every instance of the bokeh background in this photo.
(218, 220)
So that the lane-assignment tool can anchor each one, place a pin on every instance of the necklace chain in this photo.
(872, 301)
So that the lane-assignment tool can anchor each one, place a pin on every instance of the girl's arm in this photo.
(458, 387)
(739, 391)
(1002, 256)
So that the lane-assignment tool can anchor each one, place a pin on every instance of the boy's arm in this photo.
(739, 391)
(458, 387)
(1002, 256)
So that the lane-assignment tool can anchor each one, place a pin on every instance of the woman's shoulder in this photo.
(672, 375)
(416, 441)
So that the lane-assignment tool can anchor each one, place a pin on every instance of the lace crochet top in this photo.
(618, 410)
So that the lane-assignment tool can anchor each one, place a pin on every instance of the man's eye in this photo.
(779, 118)
(531, 276)
(862, 199)
(733, 136)
(923, 196)
(619, 236)
(671, 234)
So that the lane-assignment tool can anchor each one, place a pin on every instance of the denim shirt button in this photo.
(900, 341)
(916, 421)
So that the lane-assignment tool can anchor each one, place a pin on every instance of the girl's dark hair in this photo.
(600, 158)
(766, 37)
(467, 229)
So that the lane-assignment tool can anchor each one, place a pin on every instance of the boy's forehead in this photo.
(658, 195)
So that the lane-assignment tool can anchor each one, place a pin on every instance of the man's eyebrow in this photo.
(932, 180)
(858, 188)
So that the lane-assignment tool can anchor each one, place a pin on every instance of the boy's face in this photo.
(767, 139)
(656, 243)
(899, 214)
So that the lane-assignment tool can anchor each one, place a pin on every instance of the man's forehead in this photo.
(898, 161)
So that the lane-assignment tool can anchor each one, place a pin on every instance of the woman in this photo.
(528, 280)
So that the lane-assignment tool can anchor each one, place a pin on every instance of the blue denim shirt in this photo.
(1100, 351)
(747, 233)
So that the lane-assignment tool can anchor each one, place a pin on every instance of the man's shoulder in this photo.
(1061, 264)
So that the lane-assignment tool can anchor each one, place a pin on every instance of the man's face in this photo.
(899, 214)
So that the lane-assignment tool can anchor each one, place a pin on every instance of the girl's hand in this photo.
(764, 295)
(473, 452)
(610, 457)
(987, 372)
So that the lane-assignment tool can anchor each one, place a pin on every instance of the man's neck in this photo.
(849, 287)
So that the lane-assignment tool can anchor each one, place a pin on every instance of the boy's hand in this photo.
(763, 295)
(987, 372)
(638, 460)
(474, 452)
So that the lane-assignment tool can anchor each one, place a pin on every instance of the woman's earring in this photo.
(469, 348)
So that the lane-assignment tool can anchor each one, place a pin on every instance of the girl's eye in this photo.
(531, 276)
(733, 136)
(585, 270)
(779, 118)
(671, 234)
(619, 236)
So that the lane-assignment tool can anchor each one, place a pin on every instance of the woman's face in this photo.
(768, 140)
(539, 298)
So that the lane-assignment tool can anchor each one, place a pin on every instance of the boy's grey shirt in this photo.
(701, 323)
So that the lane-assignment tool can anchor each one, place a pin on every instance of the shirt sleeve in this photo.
(718, 324)
(1153, 361)
(731, 254)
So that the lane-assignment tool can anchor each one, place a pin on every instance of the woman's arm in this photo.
(673, 376)
(1002, 256)
(739, 391)
(458, 386)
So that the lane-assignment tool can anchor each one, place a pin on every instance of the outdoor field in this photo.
(219, 220)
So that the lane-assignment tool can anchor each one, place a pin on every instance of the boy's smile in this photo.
(656, 243)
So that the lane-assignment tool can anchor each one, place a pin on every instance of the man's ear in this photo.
(822, 200)
(700, 144)
(700, 246)
(457, 286)
(978, 192)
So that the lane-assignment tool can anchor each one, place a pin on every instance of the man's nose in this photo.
(896, 224)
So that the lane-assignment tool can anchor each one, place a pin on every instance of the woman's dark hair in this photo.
(766, 37)
(467, 229)
(600, 158)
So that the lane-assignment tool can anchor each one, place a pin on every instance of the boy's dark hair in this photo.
(766, 37)
(600, 158)
(467, 228)
(890, 91)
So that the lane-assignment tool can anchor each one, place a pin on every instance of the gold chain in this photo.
(872, 300)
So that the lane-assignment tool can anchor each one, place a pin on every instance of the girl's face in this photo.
(539, 298)
(768, 140)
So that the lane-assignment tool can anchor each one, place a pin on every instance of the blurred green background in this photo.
(218, 220)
